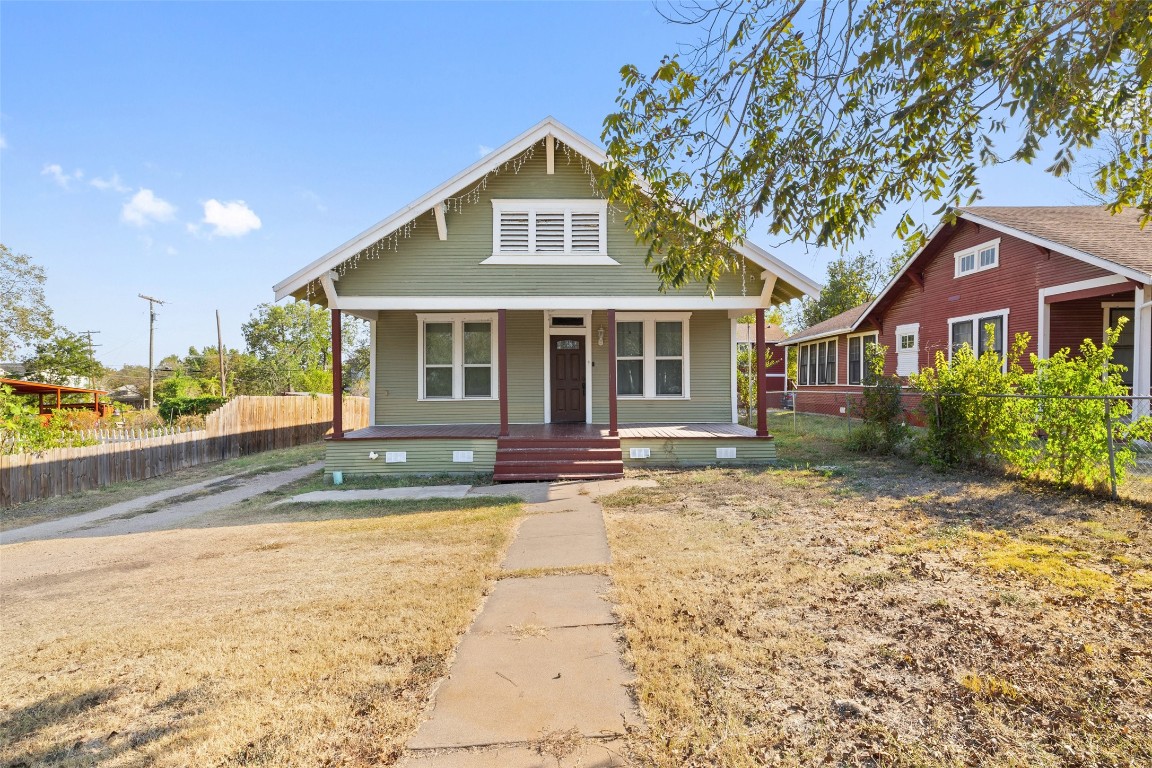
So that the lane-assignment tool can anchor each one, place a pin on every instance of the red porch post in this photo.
(761, 377)
(502, 352)
(613, 426)
(337, 380)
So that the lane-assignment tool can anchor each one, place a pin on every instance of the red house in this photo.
(1061, 274)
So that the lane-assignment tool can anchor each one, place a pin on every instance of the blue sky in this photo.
(200, 152)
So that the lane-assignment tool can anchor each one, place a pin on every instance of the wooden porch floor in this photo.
(549, 431)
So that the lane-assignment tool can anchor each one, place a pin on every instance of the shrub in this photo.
(24, 430)
(175, 407)
(881, 409)
(966, 422)
(1073, 449)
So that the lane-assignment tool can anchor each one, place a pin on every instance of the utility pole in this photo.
(91, 356)
(220, 354)
(151, 336)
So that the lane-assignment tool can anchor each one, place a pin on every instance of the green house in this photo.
(516, 329)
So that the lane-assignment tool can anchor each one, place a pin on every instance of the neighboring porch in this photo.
(544, 451)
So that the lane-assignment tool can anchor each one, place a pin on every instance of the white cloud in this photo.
(484, 149)
(145, 207)
(116, 184)
(59, 176)
(231, 219)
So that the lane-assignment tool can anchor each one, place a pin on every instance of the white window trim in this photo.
(649, 320)
(457, 321)
(908, 329)
(567, 330)
(975, 318)
(875, 336)
(975, 251)
(814, 344)
(1107, 306)
(567, 257)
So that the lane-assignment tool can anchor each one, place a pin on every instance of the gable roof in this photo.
(549, 126)
(841, 323)
(1078, 231)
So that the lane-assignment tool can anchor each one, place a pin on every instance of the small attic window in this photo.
(549, 232)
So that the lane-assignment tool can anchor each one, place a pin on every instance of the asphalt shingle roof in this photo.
(1087, 228)
(835, 324)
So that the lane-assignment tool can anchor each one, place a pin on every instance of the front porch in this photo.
(544, 451)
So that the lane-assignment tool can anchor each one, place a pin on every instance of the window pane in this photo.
(961, 335)
(869, 350)
(855, 361)
(669, 339)
(802, 368)
(830, 372)
(968, 263)
(997, 324)
(438, 343)
(438, 382)
(478, 381)
(1128, 335)
(629, 339)
(987, 257)
(669, 377)
(477, 343)
(630, 377)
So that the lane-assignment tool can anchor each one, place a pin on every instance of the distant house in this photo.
(776, 371)
(128, 394)
(1061, 274)
(517, 329)
(11, 370)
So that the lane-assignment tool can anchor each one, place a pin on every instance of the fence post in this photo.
(1111, 446)
(795, 408)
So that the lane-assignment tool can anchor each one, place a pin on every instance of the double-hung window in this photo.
(550, 232)
(457, 354)
(652, 355)
(817, 363)
(858, 351)
(978, 258)
(982, 333)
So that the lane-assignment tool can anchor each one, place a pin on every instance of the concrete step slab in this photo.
(523, 605)
(504, 689)
(588, 754)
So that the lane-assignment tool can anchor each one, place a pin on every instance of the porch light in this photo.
(600, 336)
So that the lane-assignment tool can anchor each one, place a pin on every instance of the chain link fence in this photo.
(830, 412)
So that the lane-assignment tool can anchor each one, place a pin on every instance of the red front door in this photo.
(567, 379)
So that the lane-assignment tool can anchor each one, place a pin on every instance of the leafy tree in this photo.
(852, 281)
(820, 115)
(25, 317)
(61, 358)
(286, 340)
(22, 430)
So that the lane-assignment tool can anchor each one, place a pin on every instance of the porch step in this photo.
(579, 443)
(534, 478)
(520, 459)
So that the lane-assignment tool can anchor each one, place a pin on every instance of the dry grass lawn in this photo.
(883, 615)
(267, 642)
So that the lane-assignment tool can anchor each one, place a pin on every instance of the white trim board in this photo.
(549, 126)
(547, 303)
(1044, 309)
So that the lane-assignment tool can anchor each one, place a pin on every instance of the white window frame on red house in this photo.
(907, 357)
(976, 253)
(977, 336)
(866, 338)
(805, 355)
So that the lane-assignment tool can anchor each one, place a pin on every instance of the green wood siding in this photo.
(710, 366)
(710, 369)
(699, 452)
(424, 265)
(397, 378)
(424, 457)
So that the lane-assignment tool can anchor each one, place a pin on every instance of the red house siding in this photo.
(1013, 285)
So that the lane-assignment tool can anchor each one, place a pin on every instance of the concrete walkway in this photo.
(538, 680)
(142, 514)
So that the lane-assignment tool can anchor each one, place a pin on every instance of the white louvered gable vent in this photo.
(514, 231)
(572, 228)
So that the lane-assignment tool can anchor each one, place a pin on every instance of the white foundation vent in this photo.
(639, 453)
(462, 457)
(396, 457)
(725, 453)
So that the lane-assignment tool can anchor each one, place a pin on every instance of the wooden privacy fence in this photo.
(242, 426)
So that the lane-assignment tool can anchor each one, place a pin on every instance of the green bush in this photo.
(175, 407)
(881, 409)
(24, 430)
(967, 422)
(1072, 444)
